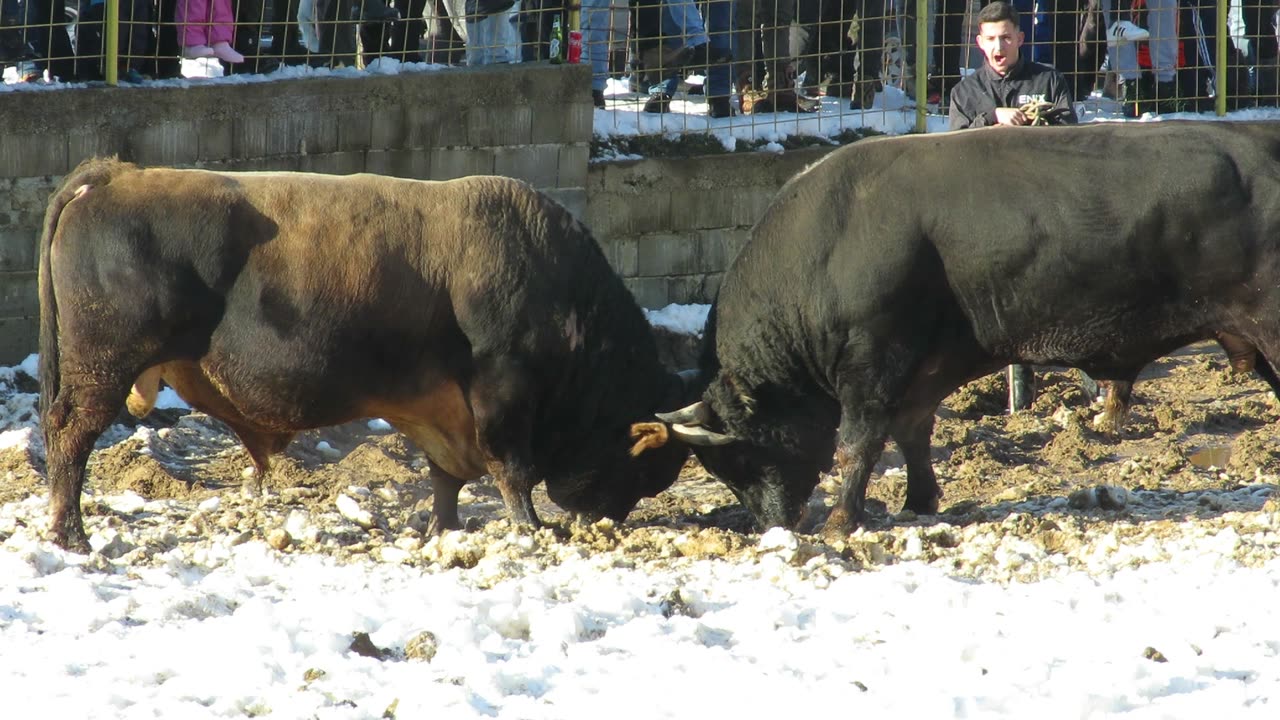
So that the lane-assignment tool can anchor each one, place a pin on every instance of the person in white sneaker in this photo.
(1162, 37)
(1123, 31)
(206, 28)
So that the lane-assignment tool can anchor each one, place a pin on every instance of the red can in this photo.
(575, 46)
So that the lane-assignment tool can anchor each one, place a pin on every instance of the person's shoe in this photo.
(223, 51)
(195, 52)
(658, 102)
(132, 77)
(597, 99)
(1123, 31)
(719, 107)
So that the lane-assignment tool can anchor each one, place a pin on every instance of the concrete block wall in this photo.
(530, 121)
(671, 226)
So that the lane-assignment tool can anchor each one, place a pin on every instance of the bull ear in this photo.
(647, 437)
(695, 435)
(695, 414)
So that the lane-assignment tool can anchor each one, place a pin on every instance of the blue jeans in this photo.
(597, 17)
(681, 17)
(495, 38)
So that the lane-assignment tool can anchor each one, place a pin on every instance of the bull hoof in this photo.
(72, 540)
(1106, 423)
(439, 527)
(839, 525)
(928, 506)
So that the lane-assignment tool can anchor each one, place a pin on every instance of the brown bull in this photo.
(477, 316)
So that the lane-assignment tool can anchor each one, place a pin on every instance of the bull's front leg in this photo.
(855, 457)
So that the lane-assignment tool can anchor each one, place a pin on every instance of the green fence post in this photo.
(1220, 61)
(922, 65)
(111, 42)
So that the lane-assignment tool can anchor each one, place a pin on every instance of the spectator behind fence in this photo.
(45, 38)
(700, 44)
(207, 28)
(1010, 89)
(596, 22)
(493, 32)
(1001, 91)
(400, 38)
(766, 75)
(134, 39)
(1137, 92)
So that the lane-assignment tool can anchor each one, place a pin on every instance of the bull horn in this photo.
(695, 414)
(694, 435)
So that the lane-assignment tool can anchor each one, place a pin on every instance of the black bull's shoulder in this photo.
(895, 270)
(477, 316)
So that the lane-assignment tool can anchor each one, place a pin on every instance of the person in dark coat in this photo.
(999, 92)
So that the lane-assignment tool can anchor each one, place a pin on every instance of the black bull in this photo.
(895, 270)
(477, 316)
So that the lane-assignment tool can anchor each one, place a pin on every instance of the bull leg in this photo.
(1115, 407)
(1265, 371)
(260, 446)
(923, 492)
(859, 449)
(1244, 356)
(76, 417)
(500, 402)
(444, 500)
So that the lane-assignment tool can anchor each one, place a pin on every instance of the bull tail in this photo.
(50, 375)
(90, 174)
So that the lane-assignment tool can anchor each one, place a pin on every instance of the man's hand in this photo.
(1011, 116)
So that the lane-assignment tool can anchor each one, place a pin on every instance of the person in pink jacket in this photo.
(206, 28)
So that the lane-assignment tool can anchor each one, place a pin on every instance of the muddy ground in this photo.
(1195, 427)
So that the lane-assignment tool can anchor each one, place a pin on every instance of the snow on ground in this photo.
(246, 631)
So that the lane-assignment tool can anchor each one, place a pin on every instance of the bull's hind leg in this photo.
(85, 405)
(913, 439)
(444, 500)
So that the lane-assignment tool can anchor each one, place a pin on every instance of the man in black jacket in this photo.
(1008, 89)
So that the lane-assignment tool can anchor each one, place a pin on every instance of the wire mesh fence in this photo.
(682, 65)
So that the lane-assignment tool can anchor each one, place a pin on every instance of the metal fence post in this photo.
(111, 43)
(1220, 60)
(922, 65)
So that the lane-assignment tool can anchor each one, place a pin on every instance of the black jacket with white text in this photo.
(975, 98)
